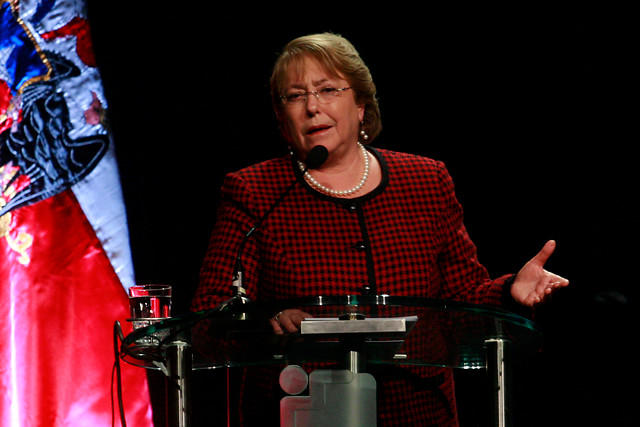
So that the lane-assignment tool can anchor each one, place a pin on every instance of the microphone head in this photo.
(316, 157)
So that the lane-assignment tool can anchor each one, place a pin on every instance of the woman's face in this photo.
(334, 123)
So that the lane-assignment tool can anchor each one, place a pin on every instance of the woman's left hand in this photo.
(534, 284)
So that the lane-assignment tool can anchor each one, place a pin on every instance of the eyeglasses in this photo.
(324, 96)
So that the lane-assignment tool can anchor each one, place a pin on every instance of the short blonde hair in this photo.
(340, 58)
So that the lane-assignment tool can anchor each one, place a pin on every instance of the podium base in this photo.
(337, 398)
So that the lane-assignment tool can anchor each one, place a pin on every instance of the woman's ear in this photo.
(361, 113)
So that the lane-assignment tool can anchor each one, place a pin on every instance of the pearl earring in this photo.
(363, 134)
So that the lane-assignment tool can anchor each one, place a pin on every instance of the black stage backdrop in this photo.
(528, 103)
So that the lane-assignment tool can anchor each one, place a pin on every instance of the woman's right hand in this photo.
(288, 321)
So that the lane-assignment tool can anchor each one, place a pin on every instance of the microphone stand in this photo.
(316, 157)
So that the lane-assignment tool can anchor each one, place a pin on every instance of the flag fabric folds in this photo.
(65, 263)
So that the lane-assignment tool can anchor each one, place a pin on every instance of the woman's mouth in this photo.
(314, 130)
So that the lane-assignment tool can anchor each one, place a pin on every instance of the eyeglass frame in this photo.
(305, 96)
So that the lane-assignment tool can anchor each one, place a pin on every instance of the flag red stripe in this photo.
(61, 301)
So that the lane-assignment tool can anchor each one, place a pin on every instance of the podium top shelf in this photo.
(385, 329)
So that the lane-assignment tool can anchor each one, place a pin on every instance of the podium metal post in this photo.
(179, 366)
(498, 368)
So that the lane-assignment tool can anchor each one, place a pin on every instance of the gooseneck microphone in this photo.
(316, 158)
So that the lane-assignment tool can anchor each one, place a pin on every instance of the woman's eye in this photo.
(293, 97)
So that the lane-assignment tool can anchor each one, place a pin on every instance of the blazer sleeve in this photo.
(235, 216)
(464, 277)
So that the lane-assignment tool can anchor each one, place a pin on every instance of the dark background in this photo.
(528, 103)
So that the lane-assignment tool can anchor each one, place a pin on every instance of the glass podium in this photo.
(350, 331)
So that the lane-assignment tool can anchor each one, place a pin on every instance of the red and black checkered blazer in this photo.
(405, 238)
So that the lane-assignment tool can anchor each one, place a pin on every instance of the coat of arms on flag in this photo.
(64, 257)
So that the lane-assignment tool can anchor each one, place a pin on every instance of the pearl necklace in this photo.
(339, 193)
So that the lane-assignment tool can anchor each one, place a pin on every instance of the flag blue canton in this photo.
(20, 61)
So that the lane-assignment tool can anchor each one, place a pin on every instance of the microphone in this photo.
(316, 158)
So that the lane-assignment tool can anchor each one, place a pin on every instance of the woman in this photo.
(366, 221)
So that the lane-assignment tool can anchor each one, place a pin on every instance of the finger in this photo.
(276, 323)
(546, 251)
(277, 329)
(291, 322)
(557, 284)
(554, 283)
(542, 289)
(543, 283)
(560, 282)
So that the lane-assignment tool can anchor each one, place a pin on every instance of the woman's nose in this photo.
(312, 103)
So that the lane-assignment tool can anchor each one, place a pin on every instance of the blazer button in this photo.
(360, 246)
(366, 290)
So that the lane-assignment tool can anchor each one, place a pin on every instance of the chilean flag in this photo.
(65, 263)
